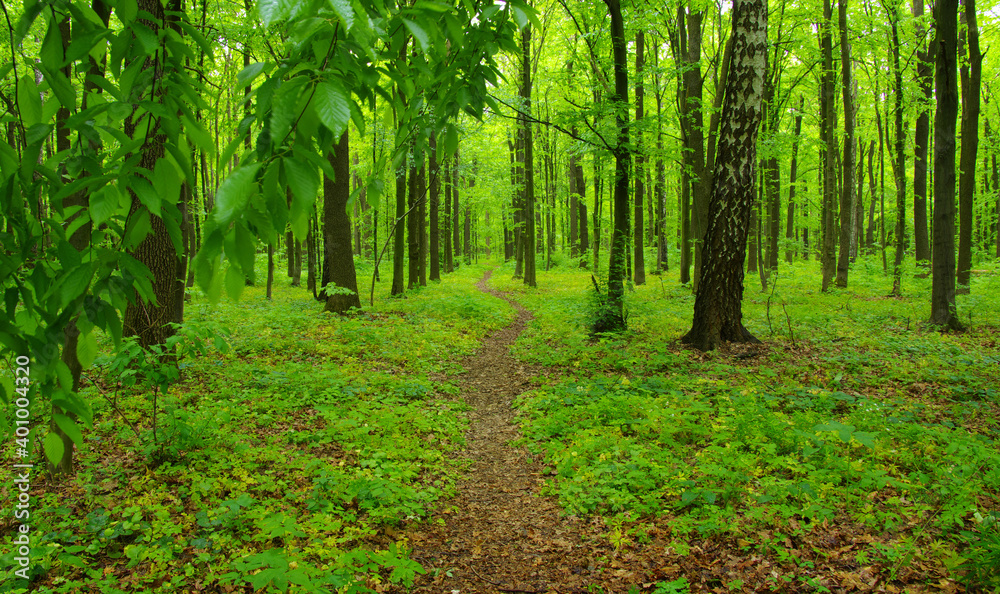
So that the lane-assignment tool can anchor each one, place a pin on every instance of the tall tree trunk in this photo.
(971, 74)
(792, 175)
(422, 220)
(412, 227)
(640, 165)
(718, 313)
(848, 197)
(828, 126)
(613, 317)
(899, 171)
(150, 321)
(449, 255)
(435, 196)
(456, 182)
(338, 257)
(529, 160)
(399, 238)
(943, 311)
(925, 79)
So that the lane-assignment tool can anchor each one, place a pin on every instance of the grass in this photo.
(853, 413)
(286, 459)
(295, 446)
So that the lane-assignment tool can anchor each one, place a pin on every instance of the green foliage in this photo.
(860, 415)
(283, 457)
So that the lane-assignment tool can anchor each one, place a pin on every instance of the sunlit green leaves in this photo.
(234, 193)
(333, 106)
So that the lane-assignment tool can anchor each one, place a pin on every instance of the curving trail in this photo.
(498, 534)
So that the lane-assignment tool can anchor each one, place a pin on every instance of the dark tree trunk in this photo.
(640, 170)
(848, 197)
(792, 175)
(943, 311)
(456, 182)
(449, 262)
(925, 79)
(311, 258)
(149, 321)
(338, 258)
(399, 238)
(422, 220)
(270, 271)
(870, 234)
(828, 125)
(412, 228)
(900, 160)
(529, 242)
(718, 313)
(435, 195)
(971, 74)
(613, 319)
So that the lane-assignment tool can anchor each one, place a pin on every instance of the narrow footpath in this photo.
(499, 534)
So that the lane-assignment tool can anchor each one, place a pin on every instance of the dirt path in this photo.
(498, 534)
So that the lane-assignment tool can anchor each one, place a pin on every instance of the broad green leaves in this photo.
(333, 107)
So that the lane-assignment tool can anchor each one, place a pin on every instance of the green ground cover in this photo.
(286, 459)
(853, 413)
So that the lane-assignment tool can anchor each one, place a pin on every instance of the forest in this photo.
(499, 296)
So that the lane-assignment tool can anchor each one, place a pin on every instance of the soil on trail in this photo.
(498, 534)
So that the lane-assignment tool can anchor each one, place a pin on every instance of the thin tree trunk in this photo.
(900, 160)
(529, 161)
(925, 79)
(848, 196)
(435, 196)
(828, 125)
(640, 163)
(971, 74)
(792, 175)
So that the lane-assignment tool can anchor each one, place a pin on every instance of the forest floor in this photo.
(498, 533)
(473, 436)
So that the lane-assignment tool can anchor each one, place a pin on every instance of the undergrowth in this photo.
(855, 413)
(287, 455)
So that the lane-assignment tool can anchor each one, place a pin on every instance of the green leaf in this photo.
(75, 283)
(451, 140)
(103, 204)
(86, 349)
(167, 180)
(54, 448)
(304, 180)
(234, 283)
(419, 34)
(29, 101)
(234, 193)
(69, 427)
(251, 72)
(344, 11)
(333, 107)
(245, 250)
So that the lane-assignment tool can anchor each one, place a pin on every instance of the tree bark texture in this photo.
(943, 311)
(971, 77)
(848, 196)
(828, 125)
(338, 257)
(922, 133)
(718, 314)
(639, 267)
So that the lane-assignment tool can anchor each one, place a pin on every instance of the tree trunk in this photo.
(150, 321)
(848, 197)
(900, 161)
(943, 311)
(971, 74)
(613, 318)
(399, 238)
(828, 125)
(718, 314)
(435, 195)
(639, 277)
(456, 182)
(412, 228)
(338, 258)
(422, 220)
(925, 79)
(529, 161)
(792, 174)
